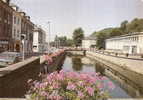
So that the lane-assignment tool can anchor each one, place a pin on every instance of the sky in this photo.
(91, 15)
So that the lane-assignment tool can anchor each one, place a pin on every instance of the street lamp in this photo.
(23, 36)
(49, 37)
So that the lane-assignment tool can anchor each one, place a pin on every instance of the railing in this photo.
(116, 54)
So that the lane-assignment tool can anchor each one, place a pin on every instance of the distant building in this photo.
(27, 28)
(16, 29)
(39, 39)
(89, 42)
(130, 43)
(5, 26)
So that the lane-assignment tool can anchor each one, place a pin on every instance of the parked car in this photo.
(9, 58)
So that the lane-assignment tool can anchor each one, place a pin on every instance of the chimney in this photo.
(6, 1)
(16, 8)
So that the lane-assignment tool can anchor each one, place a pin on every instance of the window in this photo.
(18, 21)
(14, 20)
(18, 33)
(14, 33)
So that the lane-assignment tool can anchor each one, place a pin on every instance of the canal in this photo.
(76, 63)
(85, 64)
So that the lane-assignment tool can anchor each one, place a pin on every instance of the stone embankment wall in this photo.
(117, 67)
(13, 79)
(54, 66)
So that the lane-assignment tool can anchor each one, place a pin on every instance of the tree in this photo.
(123, 27)
(116, 32)
(78, 35)
(69, 42)
(136, 25)
(64, 41)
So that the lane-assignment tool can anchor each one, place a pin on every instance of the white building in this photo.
(39, 38)
(130, 43)
(89, 42)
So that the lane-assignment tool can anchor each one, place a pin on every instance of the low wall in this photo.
(133, 78)
(13, 79)
(55, 66)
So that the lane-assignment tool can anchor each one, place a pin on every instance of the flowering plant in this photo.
(69, 86)
(49, 58)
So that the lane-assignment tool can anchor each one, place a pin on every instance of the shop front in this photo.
(17, 46)
(4, 46)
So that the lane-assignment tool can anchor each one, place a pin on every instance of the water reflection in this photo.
(99, 68)
(84, 64)
(76, 64)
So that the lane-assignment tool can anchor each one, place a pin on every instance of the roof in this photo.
(125, 35)
(90, 38)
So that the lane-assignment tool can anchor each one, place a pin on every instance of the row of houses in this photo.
(13, 24)
(131, 43)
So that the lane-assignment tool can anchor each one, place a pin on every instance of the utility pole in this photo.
(49, 36)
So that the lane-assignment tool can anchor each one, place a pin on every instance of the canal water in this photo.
(71, 63)
(84, 64)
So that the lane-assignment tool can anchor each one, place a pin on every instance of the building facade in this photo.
(130, 43)
(39, 39)
(89, 42)
(5, 26)
(16, 29)
(27, 28)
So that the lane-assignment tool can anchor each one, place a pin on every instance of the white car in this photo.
(9, 58)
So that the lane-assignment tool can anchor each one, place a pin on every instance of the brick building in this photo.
(27, 28)
(16, 28)
(5, 26)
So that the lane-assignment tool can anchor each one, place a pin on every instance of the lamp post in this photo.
(23, 36)
(49, 36)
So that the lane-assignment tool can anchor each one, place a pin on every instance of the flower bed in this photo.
(70, 86)
(50, 58)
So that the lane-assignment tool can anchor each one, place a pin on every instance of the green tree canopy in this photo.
(64, 41)
(78, 35)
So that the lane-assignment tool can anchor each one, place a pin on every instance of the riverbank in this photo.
(127, 69)
(13, 79)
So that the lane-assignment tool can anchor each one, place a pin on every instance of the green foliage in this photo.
(123, 26)
(64, 41)
(135, 25)
(78, 35)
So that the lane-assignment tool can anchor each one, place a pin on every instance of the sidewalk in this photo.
(132, 64)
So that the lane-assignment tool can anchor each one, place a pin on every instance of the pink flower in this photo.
(80, 83)
(104, 78)
(90, 91)
(71, 86)
(100, 86)
(43, 93)
(80, 94)
(111, 85)
(55, 85)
